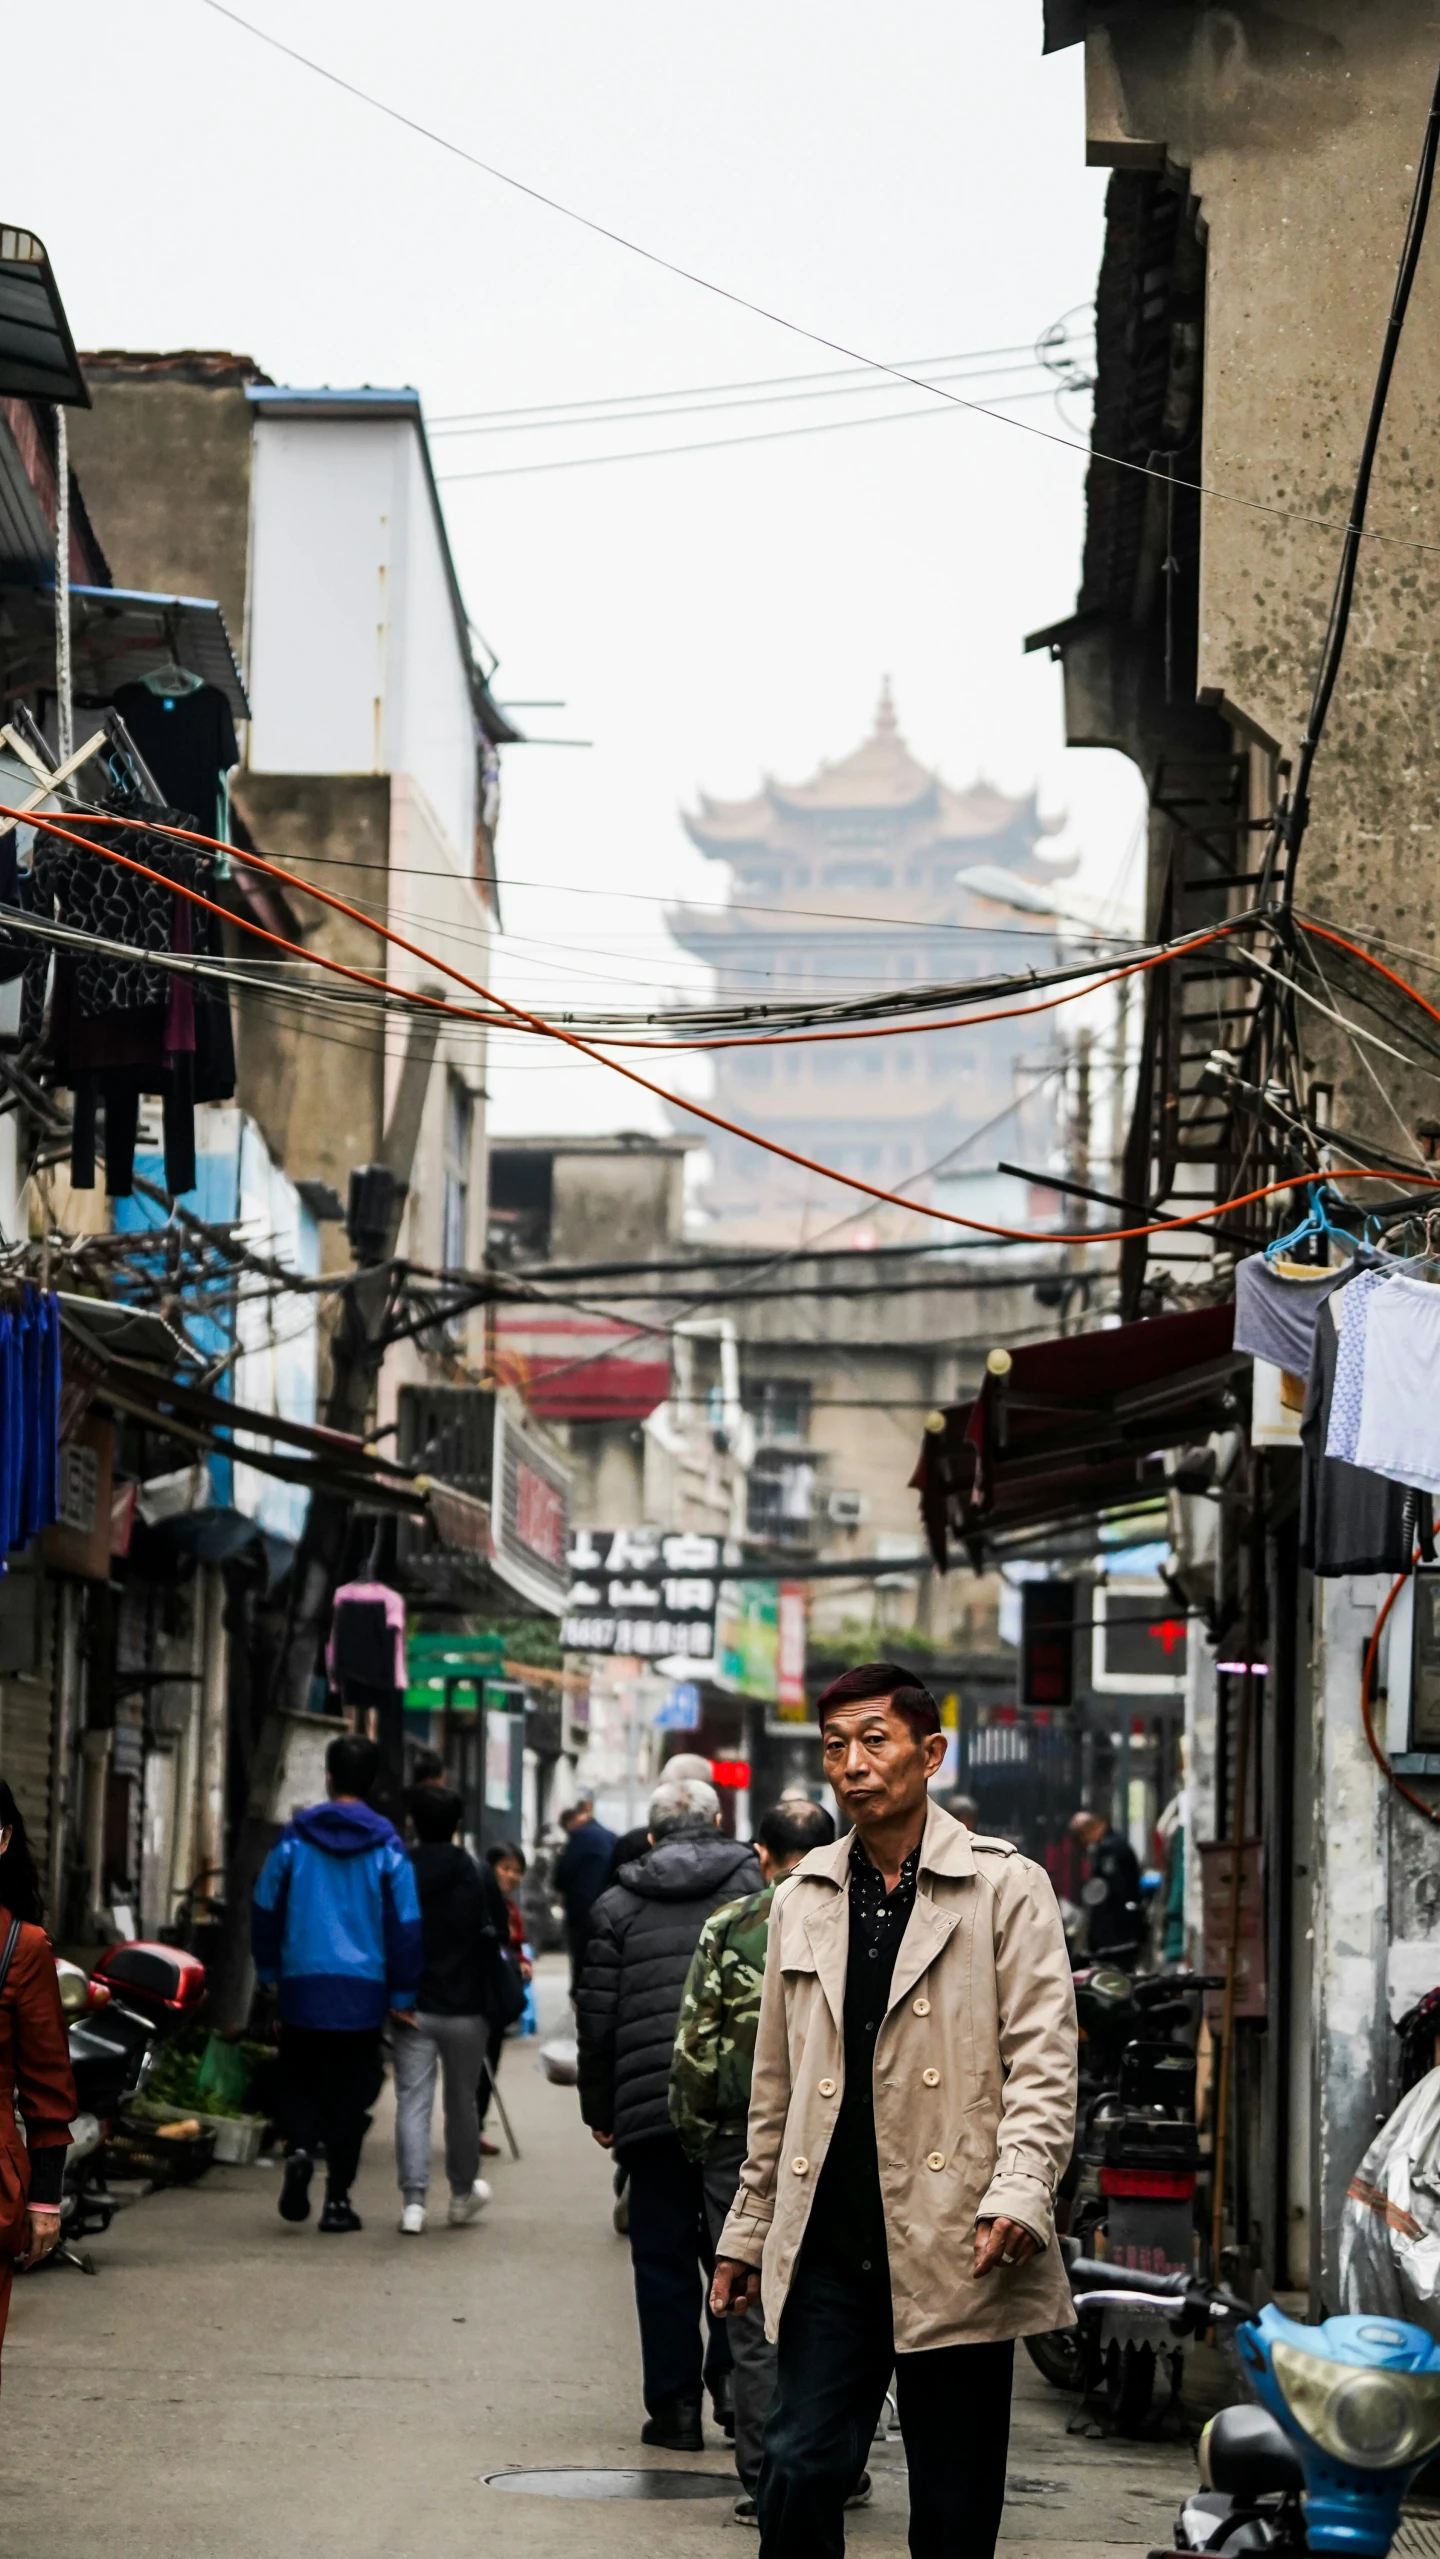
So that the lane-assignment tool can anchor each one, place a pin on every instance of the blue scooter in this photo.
(1345, 2415)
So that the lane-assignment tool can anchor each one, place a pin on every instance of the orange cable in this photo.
(569, 1039)
(1366, 1679)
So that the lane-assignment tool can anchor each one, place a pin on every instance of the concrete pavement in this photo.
(228, 2387)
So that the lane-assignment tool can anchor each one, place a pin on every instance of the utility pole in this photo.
(1079, 1152)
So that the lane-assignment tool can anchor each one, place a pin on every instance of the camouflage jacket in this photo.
(719, 2014)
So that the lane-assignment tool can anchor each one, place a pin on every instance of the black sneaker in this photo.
(675, 2426)
(862, 2492)
(295, 2189)
(340, 2214)
(743, 2510)
(722, 2400)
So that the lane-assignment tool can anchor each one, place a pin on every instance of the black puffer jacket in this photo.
(644, 1931)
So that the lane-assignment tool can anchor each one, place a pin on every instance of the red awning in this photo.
(1070, 1429)
(581, 1368)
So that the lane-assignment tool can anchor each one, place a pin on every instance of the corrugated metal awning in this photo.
(117, 635)
(37, 353)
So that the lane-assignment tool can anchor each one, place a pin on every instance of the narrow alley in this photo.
(354, 2397)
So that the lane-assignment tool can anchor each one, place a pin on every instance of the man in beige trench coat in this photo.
(912, 2110)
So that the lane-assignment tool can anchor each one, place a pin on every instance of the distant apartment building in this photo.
(875, 874)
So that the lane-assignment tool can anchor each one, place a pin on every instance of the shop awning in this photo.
(37, 353)
(1066, 1431)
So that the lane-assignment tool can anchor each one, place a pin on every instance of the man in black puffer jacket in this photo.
(644, 1931)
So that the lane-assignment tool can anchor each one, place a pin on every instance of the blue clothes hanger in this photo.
(1315, 1222)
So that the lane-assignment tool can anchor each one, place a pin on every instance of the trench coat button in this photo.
(922, 2007)
(936, 2159)
(931, 2078)
(827, 2087)
(799, 2164)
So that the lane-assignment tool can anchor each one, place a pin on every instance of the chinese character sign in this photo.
(643, 1592)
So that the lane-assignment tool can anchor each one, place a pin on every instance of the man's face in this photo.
(878, 1767)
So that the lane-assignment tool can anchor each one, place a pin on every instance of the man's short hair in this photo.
(789, 1830)
(582, 1804)
(882, 1679)
(682, 1803)
(353, 1765)
(436, 1811)
(427, 1769)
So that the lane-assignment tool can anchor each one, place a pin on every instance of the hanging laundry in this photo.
(188, 740)
(120, 1024)
(1352, 1319)
(1399, 1428)
(365, 1656)
(1351, 1520)
(1276, 1308)
(29, 1416)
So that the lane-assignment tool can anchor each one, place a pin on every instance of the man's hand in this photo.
(1001, 2243)
(606, 2140)
(402, 2017)
(736, 2288)
(42, 2237)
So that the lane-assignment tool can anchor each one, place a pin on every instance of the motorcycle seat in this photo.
(1246, 2454)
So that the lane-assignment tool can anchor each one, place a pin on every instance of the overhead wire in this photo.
(759, 310)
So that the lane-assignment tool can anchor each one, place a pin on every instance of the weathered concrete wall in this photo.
(165, 467)
(1299, 123)
(319, 1101)
(608, 1207)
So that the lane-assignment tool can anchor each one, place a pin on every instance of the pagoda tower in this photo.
(872, 874)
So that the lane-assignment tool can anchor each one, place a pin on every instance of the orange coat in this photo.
(35, 2078)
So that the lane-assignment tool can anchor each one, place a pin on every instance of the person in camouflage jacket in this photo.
(710, 2086)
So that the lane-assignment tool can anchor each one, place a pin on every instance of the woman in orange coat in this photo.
(35, 2075)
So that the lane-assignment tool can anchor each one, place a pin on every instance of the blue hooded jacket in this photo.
(336, 1920)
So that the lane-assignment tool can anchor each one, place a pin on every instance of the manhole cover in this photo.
(650, 2485)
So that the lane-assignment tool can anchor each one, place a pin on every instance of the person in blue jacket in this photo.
(336, 1928)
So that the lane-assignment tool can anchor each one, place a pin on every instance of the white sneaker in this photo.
(468, 2208)
(412, 2220)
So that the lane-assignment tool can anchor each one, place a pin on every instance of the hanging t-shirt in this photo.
(1350, 1520)
(188, 740)
(1275, 1315)
(1399, 1433)
(1352, 1315)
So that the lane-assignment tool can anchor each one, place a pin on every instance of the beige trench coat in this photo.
(974, 2078)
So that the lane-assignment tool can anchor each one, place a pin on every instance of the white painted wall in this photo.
(356, 661)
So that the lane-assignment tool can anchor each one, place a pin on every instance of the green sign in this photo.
(747, 1639)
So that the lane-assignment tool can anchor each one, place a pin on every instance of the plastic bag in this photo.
(560, 2061)
(1390, 2227)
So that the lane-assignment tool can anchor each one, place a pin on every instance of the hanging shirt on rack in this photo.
(1351, 1521)
(1275, 1310)
(1352, 1316)
(1399, 1432)
(188, 741)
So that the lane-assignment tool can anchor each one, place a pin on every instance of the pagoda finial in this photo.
(886, 724)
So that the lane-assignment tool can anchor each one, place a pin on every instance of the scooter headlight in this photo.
(1365, 2414)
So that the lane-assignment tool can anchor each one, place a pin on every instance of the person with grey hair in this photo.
(637, 1843)
(643, 1933)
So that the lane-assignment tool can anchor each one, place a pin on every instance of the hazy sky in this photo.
(908, 182)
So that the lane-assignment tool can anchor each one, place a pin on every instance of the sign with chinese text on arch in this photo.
(644, 1592)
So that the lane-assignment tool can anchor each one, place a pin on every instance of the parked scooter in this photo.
(1347, 2413)
(1130, 2186)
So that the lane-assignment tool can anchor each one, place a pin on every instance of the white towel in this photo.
(1399, 1432)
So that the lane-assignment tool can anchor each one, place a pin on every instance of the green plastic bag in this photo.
(224, 2073)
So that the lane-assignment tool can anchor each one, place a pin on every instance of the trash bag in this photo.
(560, 2061)
(1390, 2227)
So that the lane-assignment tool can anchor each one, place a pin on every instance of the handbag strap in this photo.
(8, 1957)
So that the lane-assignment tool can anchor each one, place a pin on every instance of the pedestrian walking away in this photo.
(36, 2084)
(912, 2110)
(580, 1877)
(710, 2090)
(506, 1864)
(644, 1932)
(448, 2030)
(336, 1932)
(1110, 1894)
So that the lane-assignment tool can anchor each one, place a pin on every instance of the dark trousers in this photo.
(836, 2355)
(328, 2083)
(672, 2263)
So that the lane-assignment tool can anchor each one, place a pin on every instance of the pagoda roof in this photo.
(880, 776)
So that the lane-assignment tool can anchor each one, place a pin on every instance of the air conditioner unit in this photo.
(846, 1509)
